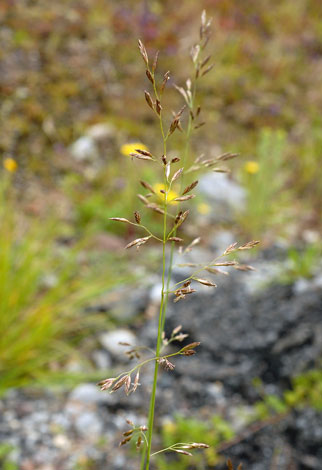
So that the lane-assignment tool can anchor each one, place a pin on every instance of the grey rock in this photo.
(302, 285)
(102, 359)
(225, 195)
(84, 149)
(131, 303)
(111, 341)
(88, 394)
(88, 424)
(222, 240)
(101, 131)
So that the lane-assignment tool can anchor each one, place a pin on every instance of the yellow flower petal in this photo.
(251, 167)
(171, 194)
(10, 164)
(203, 208)
(169, 427)
(127, 149)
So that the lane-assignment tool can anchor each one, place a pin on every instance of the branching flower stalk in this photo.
(201, 67)
(173, 218)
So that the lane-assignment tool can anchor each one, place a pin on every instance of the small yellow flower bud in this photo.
(10, 164)
(127, 149)
(171, 194)
(251, 167)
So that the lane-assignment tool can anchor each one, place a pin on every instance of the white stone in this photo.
(88, 394)
(84, 149)
(102, 359)
(101, 131)
(112, 339)
(88, 424)
(302, 285)
(61, 441)
(155, 293)
(217, 187)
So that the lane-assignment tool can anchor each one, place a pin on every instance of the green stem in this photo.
(159, 340)
(146, 453)
(185, 157)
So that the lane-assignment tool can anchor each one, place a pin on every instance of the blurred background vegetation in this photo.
(71, 86)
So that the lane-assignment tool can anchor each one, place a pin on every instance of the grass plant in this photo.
(44, 287)
(169, 200)
(265, 182)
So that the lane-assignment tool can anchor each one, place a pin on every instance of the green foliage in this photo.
(271, 404)
(85, 463)
(302, 263)
(5, 461)
(307, 390)
(44, 287)
(264, 180)
(95, 202)
(212, 431)
(258, 83)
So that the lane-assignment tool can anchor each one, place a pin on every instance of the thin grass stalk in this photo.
(180, 293)
(165, 291)
(185, 158)
(159, 342)
(147, 449)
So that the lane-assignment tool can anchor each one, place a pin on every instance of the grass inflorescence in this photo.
(169, 200)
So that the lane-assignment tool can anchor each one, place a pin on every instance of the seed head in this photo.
(143, 52)
(205, 282)
(138, 443)
(165, 363)
(150, 76)
(148, 99)
(173, 125)
(125, 441)
(120, 219)
(207, 70)
(189, 352)
(144, 152)
(191, 346)
(176, 175)
(120, 383)
(138, 242)
(190, 187)
(244, 267)
(249, 245)
(176, 330)
(137, 217)
(154, 65)
(143, 199)
(183, 452)
(175, 239)
(158, 107)
(106, 384)
(164, 82)
(140, 156)
(185, 198)
(230, 249)
(136, 382)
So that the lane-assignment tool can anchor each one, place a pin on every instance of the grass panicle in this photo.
(169, 200)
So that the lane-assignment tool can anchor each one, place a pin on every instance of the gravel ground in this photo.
(272, 334)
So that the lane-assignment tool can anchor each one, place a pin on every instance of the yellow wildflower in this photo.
(127, 149)
(169, 427)
(203, 208)
(171, 194)
(10, 164)
(251, 167)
